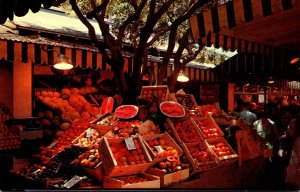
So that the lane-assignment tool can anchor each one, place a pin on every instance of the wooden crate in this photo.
(188, 100)
(111, 167)
(162, 91)
(102, 129)
(200, 166)
(96, 173)
(115, 183)
(82, 135)
(169, 141)
(169, 178)
(170, 125)
(225, 159)
(207, 121)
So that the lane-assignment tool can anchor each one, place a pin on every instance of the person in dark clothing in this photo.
(272, 108)
(239, 106)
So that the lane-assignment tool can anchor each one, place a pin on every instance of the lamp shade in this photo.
(270, 80)
(63, 63)
(182, 77)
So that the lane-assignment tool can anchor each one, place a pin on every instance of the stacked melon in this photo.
(8, 138)
(69, 103)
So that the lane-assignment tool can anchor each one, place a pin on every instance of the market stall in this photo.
(120, 148)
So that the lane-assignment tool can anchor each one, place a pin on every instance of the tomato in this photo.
(220, 144)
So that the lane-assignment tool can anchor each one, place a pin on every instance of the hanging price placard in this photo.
(159, 149)
(130, 144)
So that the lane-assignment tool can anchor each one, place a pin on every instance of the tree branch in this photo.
(163, 9)
(157, 36)
(152, 9)
(130, 19)
(91, 29)
(133, 4)
(189, 12)
(97, 9)
(107, 36)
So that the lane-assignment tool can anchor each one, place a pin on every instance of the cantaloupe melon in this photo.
(65, 126)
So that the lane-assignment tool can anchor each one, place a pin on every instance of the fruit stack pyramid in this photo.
(69, 103)
(8, 138)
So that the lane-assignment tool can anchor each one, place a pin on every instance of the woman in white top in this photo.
(293, 170)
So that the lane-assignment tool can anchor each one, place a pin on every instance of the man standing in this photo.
(247, 115)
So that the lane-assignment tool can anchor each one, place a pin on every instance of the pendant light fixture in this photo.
(182, 77)
(62, 61)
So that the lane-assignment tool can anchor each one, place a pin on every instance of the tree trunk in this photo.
(139, 61)
(117, 65)
(173, 80)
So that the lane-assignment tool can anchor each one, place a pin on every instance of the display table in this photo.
(249, 176)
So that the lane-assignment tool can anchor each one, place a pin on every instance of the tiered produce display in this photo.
(110, 150)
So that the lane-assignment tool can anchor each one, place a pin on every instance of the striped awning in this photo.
(194, 74)
(31, 50)
(207, 26)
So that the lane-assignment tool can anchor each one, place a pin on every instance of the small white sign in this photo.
(72, 182)
(159, 149)
(52, 145)
(130, 144)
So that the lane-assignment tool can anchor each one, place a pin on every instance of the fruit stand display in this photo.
(121, 151)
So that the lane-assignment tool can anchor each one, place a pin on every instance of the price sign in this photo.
(37, 171)
(130, 144)
(158, 148)
(72, 182)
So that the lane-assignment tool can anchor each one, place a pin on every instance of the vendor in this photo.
(88, 88)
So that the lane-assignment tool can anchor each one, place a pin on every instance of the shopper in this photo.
(266, 128)
(239, 106)
(272, 107)
(293, 169)
(253, 108)
(247, 115)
